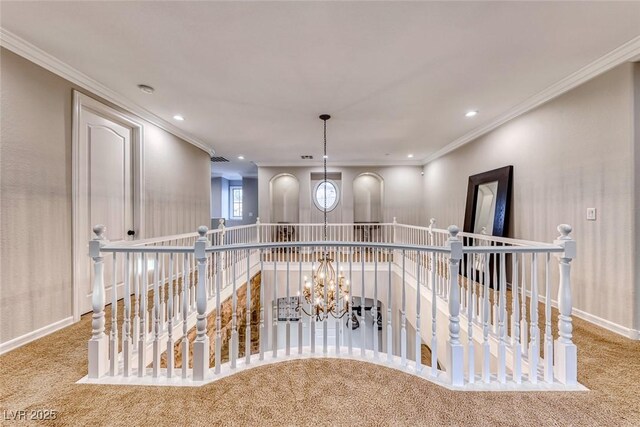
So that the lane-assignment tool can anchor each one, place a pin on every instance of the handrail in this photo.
(463, 289)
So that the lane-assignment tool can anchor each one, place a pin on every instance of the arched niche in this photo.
(368, 191)
(285, 198)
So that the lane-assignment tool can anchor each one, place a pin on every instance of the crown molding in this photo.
(628, 52)
(313, 164)
(39, 57)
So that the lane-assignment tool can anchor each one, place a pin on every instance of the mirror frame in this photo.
(504, 176)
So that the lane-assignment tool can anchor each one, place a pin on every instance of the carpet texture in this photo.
(42, 375)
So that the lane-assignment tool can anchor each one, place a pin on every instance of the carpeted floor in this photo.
(42, 375)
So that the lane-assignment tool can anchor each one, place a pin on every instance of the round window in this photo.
(325, 195)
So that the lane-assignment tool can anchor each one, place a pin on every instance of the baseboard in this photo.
(598, 321)
(604, 323)
(6, 347)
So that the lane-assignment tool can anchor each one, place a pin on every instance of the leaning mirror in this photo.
(488, 202)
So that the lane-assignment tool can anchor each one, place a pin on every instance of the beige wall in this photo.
(572, 153)
(402, 187)
(35, 194)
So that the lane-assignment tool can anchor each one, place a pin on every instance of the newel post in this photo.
(565, 354)
(201, 345)
(99, 342)
(455, 351)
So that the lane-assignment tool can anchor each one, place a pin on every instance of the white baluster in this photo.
(338, 300)
(163, 317)
(351, 300)
(263, 329)
(99, 342)
(494, 285)
(565, 354)
(247, 333)
(176, 293)
(300, 321)
(502, 326)
(201, 345)
(325, 324)
(126, 324)
(274, 312)
(470, 314)
(374, 308)
(142, 339)
(389, 300)
(524, 329)
(312, 317)
(434, 312)
(418, 336)
(156, 317)
(455, 351)
(170, 315)
(137, 262)
(363, 324)
(113, 348)
(516, 348)
(534, 331)
(192, 283)
(233, 345)
(486, 349)
(403, 317)
(548, 337)
(287, 293)
(185, 314)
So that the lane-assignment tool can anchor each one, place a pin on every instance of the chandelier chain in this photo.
(324, 159)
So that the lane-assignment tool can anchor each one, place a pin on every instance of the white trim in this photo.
(592, 318)
(79, 210)
(626, 52)
(36, 55)
(354, 163)
(396, 363)
(315, 198)
(604, 323)
(6, 347)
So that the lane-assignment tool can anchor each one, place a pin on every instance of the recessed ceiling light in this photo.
(241, 157)
(178, 117)
(410, 156)
(471, 113)
(146, 89)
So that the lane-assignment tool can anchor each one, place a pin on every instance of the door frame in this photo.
(80, 209)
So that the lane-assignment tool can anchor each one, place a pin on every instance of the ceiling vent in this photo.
(219, 159)
(306, 157)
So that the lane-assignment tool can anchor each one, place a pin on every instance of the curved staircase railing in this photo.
(201, 306)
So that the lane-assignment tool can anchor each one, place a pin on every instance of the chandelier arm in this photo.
(299, 307)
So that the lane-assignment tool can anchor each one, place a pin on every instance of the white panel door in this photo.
(106, 190)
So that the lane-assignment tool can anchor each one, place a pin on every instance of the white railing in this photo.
(409, 286)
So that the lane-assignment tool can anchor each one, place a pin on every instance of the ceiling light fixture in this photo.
(241, 157)
(326, 290)
(471, 113)
(146, 89)
(410, 156)
(178, 117)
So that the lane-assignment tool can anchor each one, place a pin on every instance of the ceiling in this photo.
(251, 78)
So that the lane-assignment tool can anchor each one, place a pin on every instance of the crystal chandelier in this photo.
(326, 289)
